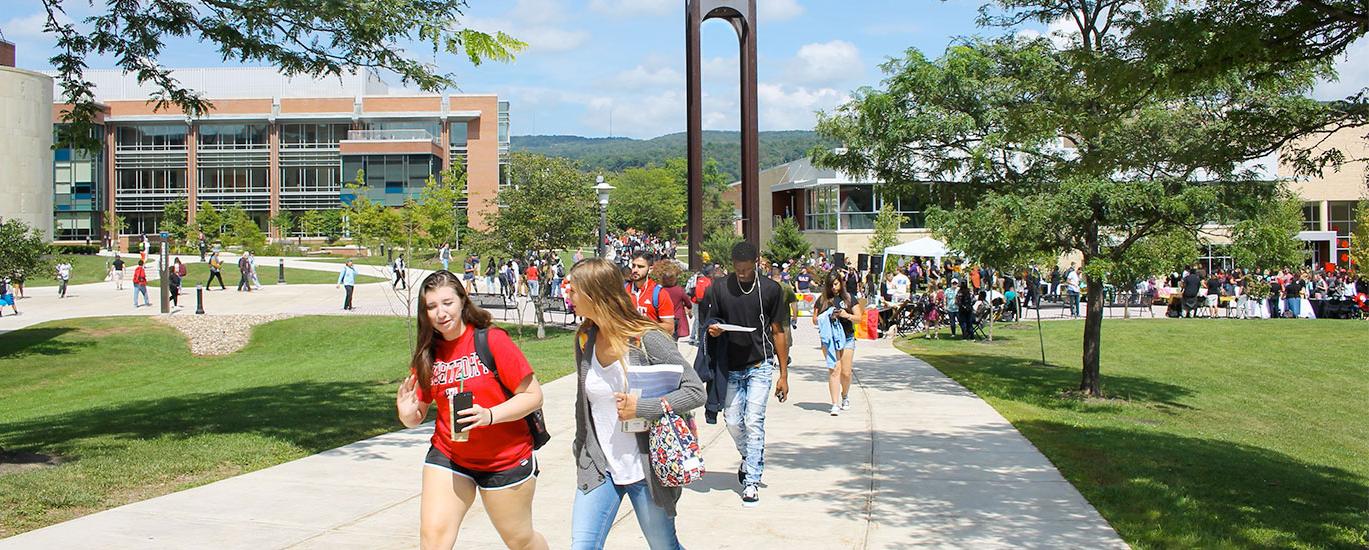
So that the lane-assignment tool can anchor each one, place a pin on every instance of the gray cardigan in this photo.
(657, 348)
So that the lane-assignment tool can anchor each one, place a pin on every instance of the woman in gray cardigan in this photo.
(612, 463)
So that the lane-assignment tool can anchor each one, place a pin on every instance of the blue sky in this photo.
(592, 61)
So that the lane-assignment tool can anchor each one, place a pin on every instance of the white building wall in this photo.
(26, 148)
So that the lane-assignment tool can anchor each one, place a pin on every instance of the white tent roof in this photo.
(926, 247)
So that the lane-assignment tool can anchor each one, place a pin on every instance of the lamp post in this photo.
(602, 189)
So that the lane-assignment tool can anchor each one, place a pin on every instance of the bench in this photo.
(558, 305)
(492, 301)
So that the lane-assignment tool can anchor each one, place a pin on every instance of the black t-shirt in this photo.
(1293, 289)
(1214, 286)
(118, 264)
(804, 281)
(1192, 282)
(732, 306)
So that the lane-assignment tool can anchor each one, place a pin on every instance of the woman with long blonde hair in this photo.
(610, 447)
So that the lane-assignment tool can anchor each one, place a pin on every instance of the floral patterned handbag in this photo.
(675, 455)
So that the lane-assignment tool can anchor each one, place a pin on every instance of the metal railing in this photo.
(410, 134)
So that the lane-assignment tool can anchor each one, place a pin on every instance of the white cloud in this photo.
(1352, 71)
(633, 8)
(825, 63)
(642, 76)
(29, 27)
(778, 10)
(794, 107)
(651, 115)
(542, 12)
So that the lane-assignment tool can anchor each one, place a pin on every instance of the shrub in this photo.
(77, 249)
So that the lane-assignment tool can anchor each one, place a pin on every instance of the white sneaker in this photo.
(751, 496)
(836, 409)
(845, 403)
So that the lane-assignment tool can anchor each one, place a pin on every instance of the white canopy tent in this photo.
(926, 247)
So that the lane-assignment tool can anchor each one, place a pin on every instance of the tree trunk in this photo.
(1093, 332)
(539, 318)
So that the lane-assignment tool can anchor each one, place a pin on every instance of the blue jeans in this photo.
(748, 392)
(1294, 305)
(592, 516)
(1074, 303)
(140, 289)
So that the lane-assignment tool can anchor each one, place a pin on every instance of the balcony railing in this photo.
(390, 135)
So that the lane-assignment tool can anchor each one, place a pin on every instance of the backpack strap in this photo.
(482, 351)
(656, 300)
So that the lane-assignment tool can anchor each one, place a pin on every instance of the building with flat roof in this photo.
(272, 143)
(836, 211)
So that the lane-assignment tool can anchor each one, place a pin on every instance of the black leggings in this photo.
(215, 275)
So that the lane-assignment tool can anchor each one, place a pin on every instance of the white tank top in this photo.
(620, 448)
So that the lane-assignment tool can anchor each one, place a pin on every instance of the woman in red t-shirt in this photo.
(486, 446)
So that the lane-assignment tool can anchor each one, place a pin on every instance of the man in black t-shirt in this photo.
(738, 366)
(1292, 296)
(1193, 281)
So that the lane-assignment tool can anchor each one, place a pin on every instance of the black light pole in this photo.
(281, 280)
(199, 299)
(602, 189)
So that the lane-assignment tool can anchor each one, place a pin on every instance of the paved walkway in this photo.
(917, 462)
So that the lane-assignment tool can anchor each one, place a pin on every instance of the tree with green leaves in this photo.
(887, 224)
(1082, 141)
(284, 222)
(550, 207)
(1359, 246)
(650, 199)
(718, 243)
(369, 222)
(23, 250)
(440, 212)
(113, 225)
(299, 37)
(325, 223)
(209, 220)
(173, 219)
(1269, 238)
(787, 243)
(241, 229)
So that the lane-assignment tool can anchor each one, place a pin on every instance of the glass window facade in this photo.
(233, 136)
(150, 181)
(833, 207)
(310, 134)
(1340, 217)
(433, 127)
(78, 190)
(1311, 216)
(232, 180)
(151, 137)
(391, 178)
(1213, 257)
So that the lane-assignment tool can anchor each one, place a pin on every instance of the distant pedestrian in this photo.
(444, 255)
(63, 277)
(400, 278)
(347, 278)
(204, 247)
(490, 271)
(843, 311)
(173, 282)
(952, 299)
(117, 272)
(144, 247)
(215, 271)
(244, 274)
(6, 299)
(252, 269)
(140, 285)
(468, 276)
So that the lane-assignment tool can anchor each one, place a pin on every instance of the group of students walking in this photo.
(488, 402)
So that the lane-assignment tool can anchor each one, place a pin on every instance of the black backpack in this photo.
(537, 422)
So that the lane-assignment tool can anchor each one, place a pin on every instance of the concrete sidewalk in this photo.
(917, 461)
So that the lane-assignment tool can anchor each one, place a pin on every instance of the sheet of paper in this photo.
(735, 328)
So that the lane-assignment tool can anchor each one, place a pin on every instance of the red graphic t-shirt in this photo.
(490, 448)
(664, 308)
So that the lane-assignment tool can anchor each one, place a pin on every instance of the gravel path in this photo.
(218, 334)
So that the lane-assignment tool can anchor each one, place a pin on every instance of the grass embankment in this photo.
(135, 415)
(1212, 434)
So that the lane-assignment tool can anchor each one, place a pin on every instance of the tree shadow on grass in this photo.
(976, 486)
(38, 341)
(314, 416)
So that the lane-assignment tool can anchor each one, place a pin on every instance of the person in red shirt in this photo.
(487, 446)
(140, 285)
(647, 296)
(534, 284)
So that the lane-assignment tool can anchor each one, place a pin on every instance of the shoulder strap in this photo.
(482, 351)
(656, 299)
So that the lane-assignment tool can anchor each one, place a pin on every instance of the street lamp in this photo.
(602, 189)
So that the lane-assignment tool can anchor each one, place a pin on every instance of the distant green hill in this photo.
(616, 154)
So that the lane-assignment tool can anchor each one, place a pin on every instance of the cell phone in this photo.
(459, 402)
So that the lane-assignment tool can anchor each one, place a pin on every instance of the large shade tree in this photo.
(1086, 140)
(301, 37)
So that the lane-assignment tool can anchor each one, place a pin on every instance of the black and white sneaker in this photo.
(751, 496)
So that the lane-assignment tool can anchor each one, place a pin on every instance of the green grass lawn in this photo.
(197, 274)
(430, 263)
(135, 415)
(1213, 433)
(84, 269)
